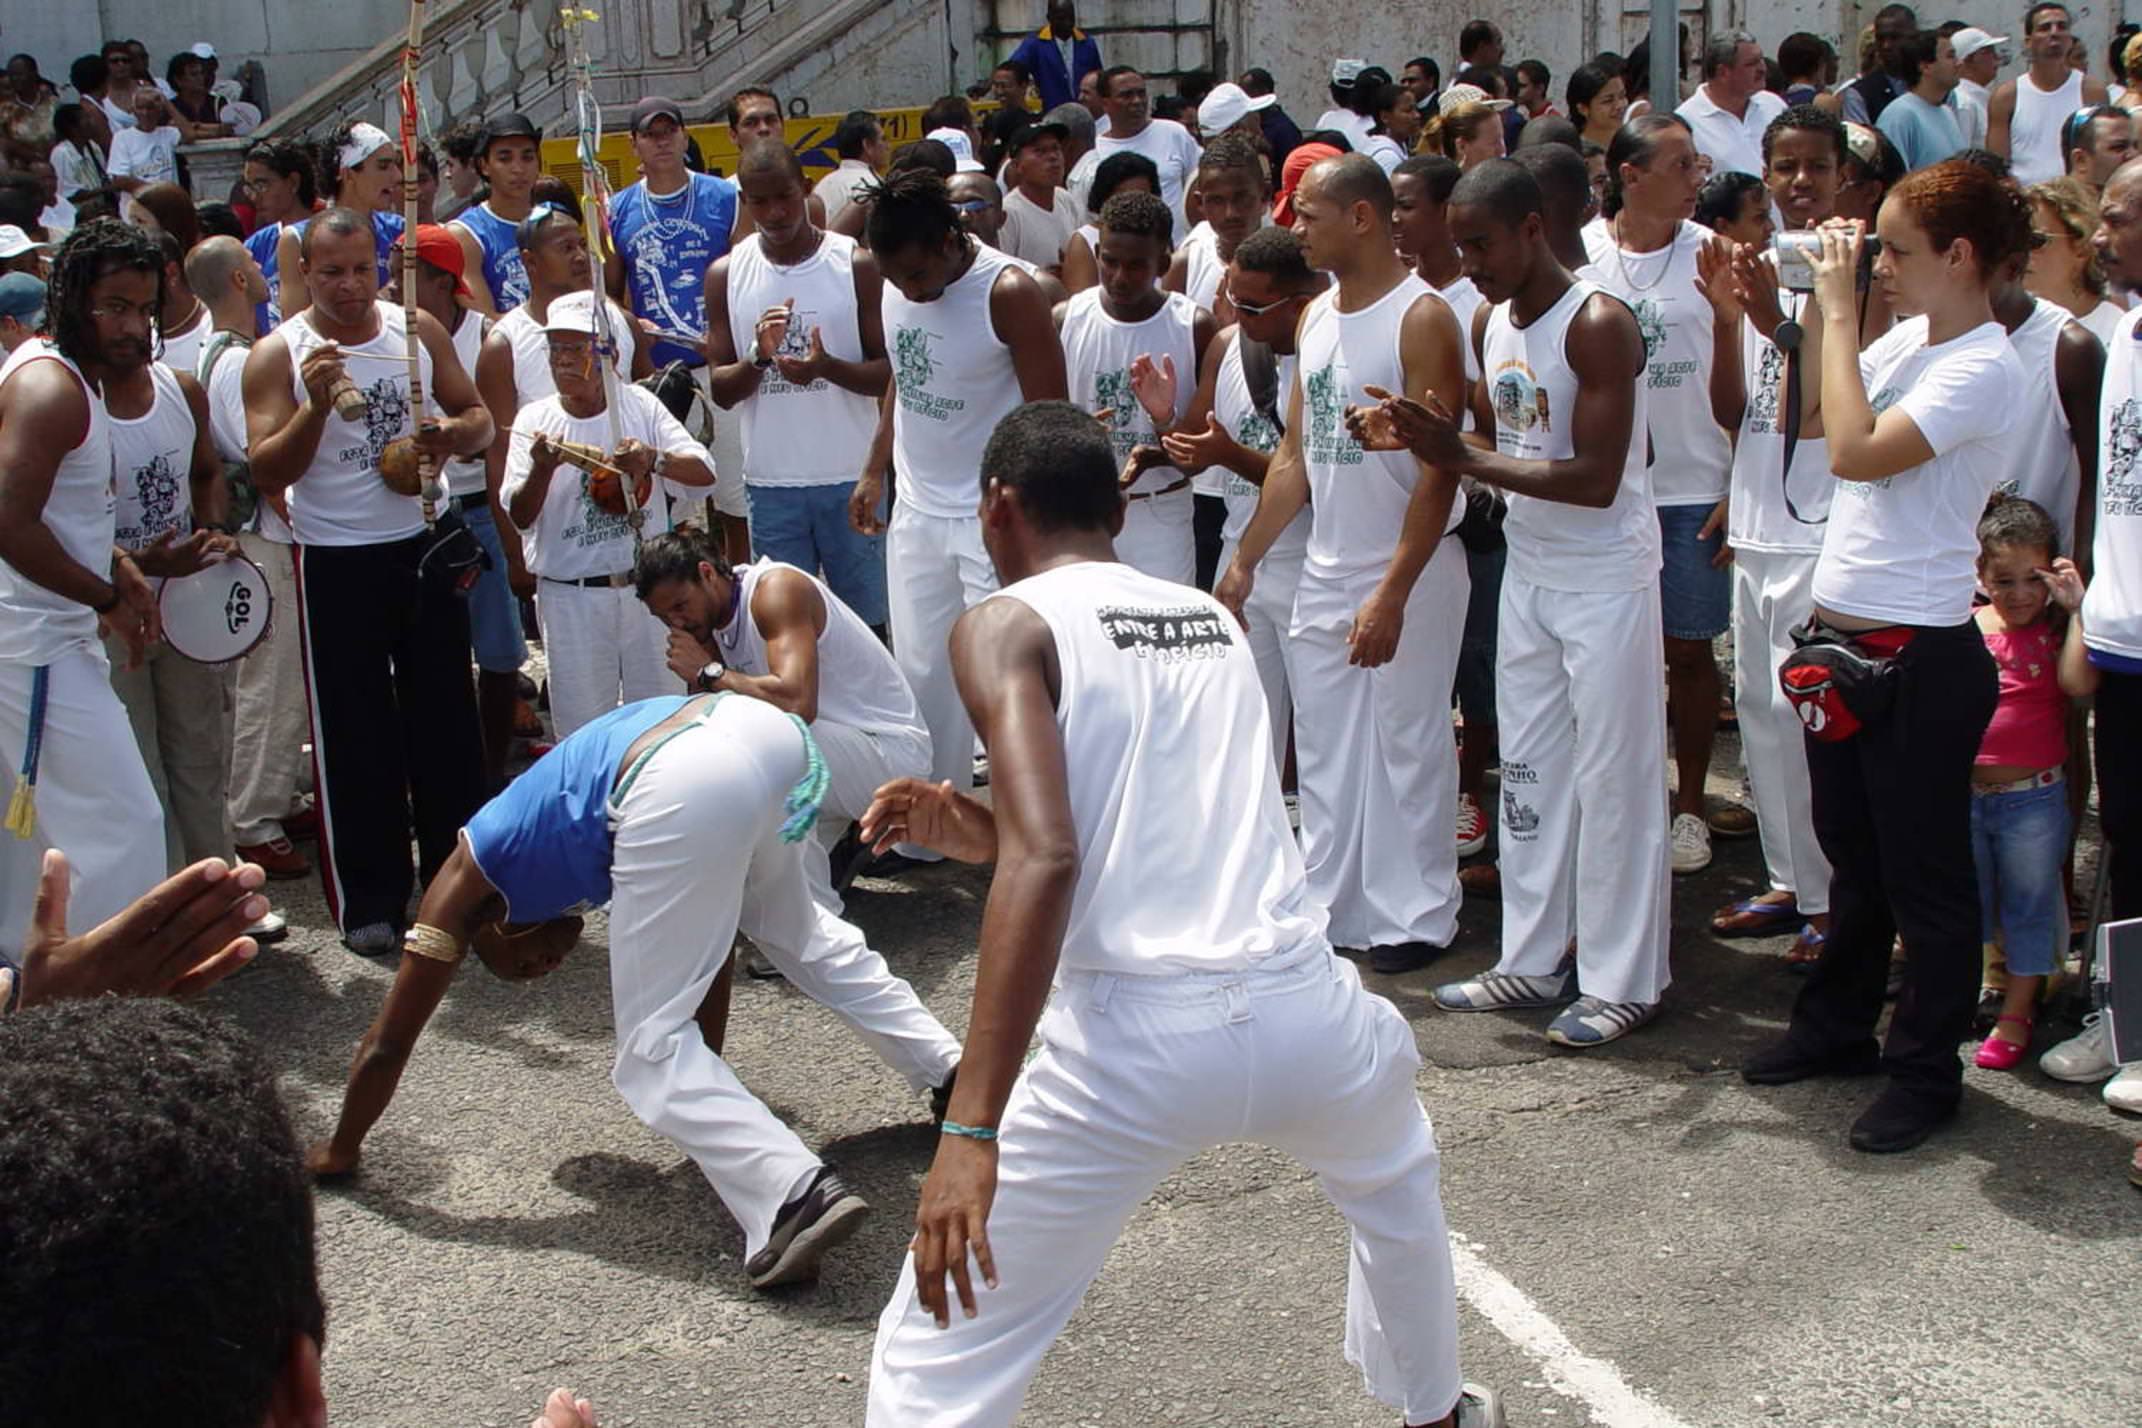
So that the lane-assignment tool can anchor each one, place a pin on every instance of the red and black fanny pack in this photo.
(1840, 681)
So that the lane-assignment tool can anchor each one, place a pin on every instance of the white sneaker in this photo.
(2084, 1057)
(2124, 1091)
(1691, 843)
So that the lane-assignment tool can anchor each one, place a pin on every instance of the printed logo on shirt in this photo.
(913, 367)
(1651, 321)
(795, 345)
(1763, 401)
(1126, 425)
(593, 526)
(1170, 634)
(2119, 491)
(1257, 433)
(670, 257)
(1520, 402)
(1327, 440)
(156, 488)
(386, 413)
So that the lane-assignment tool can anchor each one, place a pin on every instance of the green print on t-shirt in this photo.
(1327, 439)
(913, 367)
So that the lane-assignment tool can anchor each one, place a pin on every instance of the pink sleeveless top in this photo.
(2030, 725)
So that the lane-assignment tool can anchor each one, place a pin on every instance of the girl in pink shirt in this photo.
(2019, 795)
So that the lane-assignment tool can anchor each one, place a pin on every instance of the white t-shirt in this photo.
(1385, 150)
(572, 538)
(1036, 234)
(1170, 147)
(1905, 548)
(182, 349)
(2102, 320)
(76, 167)
(2112, 610)
(1354, 126)
(1731, 144)
(150, 157)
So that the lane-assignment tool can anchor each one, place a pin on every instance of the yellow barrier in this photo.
(811, 137)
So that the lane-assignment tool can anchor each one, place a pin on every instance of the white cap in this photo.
(203, 49)
(963, 159)
(1226, 105)
(1346, 71)
(1459, 94)
(14, 242)
(1971, 39)
(571, 312)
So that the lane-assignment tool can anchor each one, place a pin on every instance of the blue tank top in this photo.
(544, 842)
(262, 244)
(386, 232)
(668, 244)
(503, 271)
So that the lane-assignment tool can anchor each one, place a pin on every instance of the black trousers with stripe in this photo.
(396, 745)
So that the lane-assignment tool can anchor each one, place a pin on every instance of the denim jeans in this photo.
(807, 527)
(2018, 841)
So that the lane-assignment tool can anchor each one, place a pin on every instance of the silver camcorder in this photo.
(1794, 254)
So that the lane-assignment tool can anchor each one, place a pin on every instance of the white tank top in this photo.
(859, 684)
(1240, 419)
(2043, 466)
(531, 349)
(1098, 351)
(36, 625)
(182, 349)
(1169, 753)
(1691, 454)
(1357, 499)
(1534, 393)
(2034, 133)
(340, 499)
(801, 436)
(953, 382)
(464, 475)
(1202, 266)
(152, 465)
(2112, 609)
(1758, 518)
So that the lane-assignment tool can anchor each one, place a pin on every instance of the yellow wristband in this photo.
(424, 940)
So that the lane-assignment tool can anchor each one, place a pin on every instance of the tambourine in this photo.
(218, 613)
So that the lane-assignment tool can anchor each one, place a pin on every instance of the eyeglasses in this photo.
(2039, 238)
(973, 205)
(1258, 309)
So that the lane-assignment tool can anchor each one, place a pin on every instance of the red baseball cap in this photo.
(436, 245)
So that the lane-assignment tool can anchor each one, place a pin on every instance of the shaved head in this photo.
(1350, 179)
(1502, 188)
(769, 156)
(212, 262)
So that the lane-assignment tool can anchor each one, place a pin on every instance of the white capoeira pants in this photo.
(268, 721)
(1583, 731)
(1159, 537)
(1269, 612)
(1375, 759)
(181, 715)
(604, 649)
(1137, 1074)
(857, 762)
(936, 567)
(680, 892)
(1772, 592)
(94, 799)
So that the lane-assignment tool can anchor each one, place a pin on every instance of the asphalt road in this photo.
(1643, 1241)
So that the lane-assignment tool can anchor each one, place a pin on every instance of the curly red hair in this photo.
(1959, 200)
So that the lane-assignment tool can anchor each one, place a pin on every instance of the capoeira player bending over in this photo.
(1189, 1010)
(685, 815)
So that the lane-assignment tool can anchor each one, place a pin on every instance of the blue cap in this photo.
(22, 296)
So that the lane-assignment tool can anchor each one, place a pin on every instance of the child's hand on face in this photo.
(2065, 582)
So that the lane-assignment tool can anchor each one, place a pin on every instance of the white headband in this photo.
(365, 140)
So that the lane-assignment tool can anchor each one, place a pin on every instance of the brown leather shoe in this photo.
(303, 825)
(1481, 880)
(277, 858)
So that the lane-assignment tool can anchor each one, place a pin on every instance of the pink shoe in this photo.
(1997, 1054)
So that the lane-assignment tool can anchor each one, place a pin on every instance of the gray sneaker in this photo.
(1593, 1021)
(1499, 991)
(1479, 1407)
(374, 939)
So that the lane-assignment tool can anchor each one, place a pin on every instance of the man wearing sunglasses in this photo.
(2098, 138)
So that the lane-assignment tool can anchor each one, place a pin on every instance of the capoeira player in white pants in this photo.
(970, 339)
(60, 575)
(1579, 662)
(1187, 1011)
(1130, 352)
(686, 814)
(603, 647)
(771, 632)
(1381, 605)
(1234, 426)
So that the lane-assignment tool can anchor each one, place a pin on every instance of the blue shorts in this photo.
(494, 614)
(807, 527)
(2019, 840)
(1695, 597)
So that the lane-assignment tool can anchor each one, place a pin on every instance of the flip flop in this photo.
(1752, 917)
(1806, 950)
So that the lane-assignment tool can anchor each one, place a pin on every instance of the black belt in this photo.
(475, 500)
(595, 582)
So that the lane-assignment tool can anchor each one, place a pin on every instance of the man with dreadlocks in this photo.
(61, 579)
(689, 816)
(971, 338)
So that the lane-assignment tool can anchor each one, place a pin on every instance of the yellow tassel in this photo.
(22, 810)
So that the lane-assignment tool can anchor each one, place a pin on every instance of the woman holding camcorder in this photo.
(1891, 678)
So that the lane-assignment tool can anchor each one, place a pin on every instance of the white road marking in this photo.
(1570, 1371)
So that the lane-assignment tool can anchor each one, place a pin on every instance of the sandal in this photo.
(1806, 950)
(1753, 917)
(1997, 1053)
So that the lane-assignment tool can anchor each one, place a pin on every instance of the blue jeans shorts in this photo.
(1695, 597)
(807, 527)
(2019, 840)
(494, 615)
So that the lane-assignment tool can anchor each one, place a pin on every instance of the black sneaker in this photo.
(1785, 1061)
(756, 966)
(1900, 1119)
(809, 1225)
(1393, 958)
(848, 857)
(941, 1097)
(1987, 1012)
